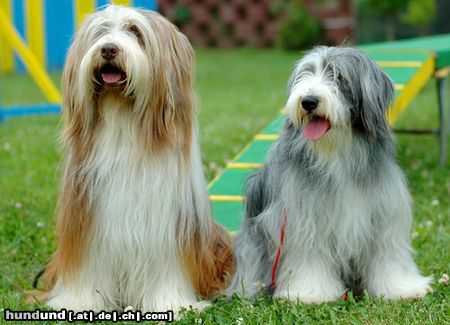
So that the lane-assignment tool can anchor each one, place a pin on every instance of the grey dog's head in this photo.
(332, 88)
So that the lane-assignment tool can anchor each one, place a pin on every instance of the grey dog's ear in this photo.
(368, 88)
(377, 93)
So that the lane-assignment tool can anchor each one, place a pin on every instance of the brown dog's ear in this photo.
(72, 110)
(170, 111)
(79, 112)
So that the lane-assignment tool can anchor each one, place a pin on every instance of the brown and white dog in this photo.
(134, 224)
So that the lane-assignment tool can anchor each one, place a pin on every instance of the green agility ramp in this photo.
(409, 63)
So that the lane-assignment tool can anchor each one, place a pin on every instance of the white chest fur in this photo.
(138, 203)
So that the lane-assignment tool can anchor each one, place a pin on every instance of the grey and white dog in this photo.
(347, 209)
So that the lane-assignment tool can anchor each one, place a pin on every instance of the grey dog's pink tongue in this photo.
(316, 128)
(111, 78)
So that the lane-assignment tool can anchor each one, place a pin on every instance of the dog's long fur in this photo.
(134, 225)
(348, 209)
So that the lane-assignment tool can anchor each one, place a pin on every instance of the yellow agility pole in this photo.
(34, 17)
(6, 53)
(122, 2)
(82, 8)
(32, 64)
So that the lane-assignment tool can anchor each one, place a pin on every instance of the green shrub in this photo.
(181, 15)
(298, 29)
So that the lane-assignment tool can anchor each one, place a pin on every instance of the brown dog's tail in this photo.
(210, 269)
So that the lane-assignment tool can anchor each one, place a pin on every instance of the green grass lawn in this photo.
(240, 92)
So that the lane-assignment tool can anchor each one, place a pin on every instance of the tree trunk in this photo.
(390, 28)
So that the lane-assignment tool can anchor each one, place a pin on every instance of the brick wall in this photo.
(229, 23)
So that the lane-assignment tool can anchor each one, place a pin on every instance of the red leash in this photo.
(277, 259)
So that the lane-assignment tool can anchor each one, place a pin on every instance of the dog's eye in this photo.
(101, 30)
(308, 69)
(136, 32)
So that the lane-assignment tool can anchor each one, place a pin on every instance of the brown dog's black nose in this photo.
(109, 51)
(310, 103)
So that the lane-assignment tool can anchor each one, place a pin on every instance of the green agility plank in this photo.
(226, 189)
(410, 64)
(439, 45)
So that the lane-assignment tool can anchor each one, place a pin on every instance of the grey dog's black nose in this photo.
(309, 103)
(109, 51)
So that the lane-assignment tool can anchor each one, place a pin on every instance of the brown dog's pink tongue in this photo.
(316, 128)
(111, 78)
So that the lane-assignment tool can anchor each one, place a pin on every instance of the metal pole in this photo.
(442, 120)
